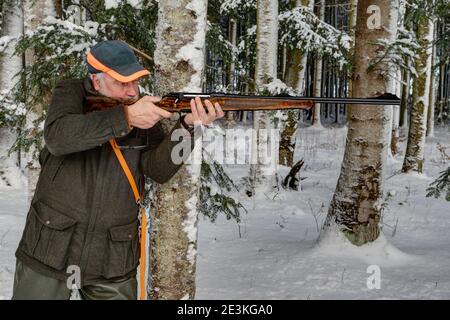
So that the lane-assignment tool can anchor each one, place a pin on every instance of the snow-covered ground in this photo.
(273, 253)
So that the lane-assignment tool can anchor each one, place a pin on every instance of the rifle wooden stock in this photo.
(180, 101)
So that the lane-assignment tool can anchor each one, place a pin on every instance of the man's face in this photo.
(110, 87)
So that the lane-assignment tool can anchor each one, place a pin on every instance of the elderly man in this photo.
(84, 212)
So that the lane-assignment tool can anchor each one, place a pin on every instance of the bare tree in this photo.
(318, 66)
(10, 66)
(414, 156)
(355, 208)
(179, 65)
(34, 14)
(265, 71)
(295, 78)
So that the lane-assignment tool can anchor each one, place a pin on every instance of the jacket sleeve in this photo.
(67, 129)
(157, 161)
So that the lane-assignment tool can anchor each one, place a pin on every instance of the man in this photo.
(83, 213)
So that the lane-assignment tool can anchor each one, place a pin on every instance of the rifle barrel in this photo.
(179, 101)
(387, 99)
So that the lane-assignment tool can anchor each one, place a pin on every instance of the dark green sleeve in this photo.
(67, 129)
(156, 161)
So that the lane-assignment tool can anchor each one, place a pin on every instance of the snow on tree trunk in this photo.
(179, 65)
(414, 156)
(10, 65)
(265, 72)
(318, 66)
(356, 205)
(295, 78)
(34, 14)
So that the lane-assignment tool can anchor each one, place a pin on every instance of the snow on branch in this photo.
(215, 39)
(301, 28)
(402, 52)
(237, 7)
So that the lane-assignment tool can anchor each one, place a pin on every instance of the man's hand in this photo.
(144, 114)
(199, 115)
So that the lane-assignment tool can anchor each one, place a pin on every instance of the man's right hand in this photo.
(144, 114)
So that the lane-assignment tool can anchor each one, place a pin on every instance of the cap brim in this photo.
(128, 73)
(125, 73)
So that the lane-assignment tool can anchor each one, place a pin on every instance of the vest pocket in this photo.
(122, 250)
(48, 234)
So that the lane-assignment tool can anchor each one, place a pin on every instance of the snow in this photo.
(193, 52)
(302, 29)
(274, 252)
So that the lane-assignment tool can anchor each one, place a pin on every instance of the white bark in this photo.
(265, 71)
(10, 65)
(179, 65)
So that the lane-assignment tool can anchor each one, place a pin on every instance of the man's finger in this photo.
(153, 99)
(194, 109)
(200, 108)
(163, 113)
(219, 110)
(211, 111)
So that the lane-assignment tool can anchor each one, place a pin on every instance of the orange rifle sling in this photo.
(126, 170)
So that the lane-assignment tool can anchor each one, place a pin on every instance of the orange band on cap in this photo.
(100, 66)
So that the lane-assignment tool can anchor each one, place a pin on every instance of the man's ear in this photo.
(95, 82)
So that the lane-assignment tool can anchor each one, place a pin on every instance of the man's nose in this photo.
(131, 90)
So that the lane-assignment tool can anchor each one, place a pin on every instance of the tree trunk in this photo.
(230, 115)
(34, 13)
(179, 65)
(318, 66)
(263, 164)
(414, 156)
(10, 65)
(355, 208)
(432, 93)
(404, 99)
(352, 28)
(294, 77)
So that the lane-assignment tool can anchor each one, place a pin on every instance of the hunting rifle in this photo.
(180, 101)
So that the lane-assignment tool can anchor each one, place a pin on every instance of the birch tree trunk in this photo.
(355, 207)
(414, 156)
(34, 14)
(179, 66)
(295, 78)
(318, 66)
(265, 71)
(10, 65)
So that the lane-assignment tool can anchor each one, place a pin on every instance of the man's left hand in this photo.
(200, 116)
